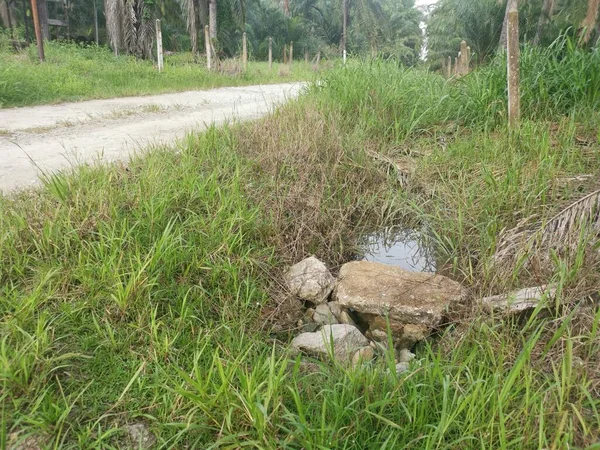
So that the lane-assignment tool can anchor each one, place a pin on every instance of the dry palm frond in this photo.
(561, 233)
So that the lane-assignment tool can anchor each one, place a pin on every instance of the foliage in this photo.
(74, 73)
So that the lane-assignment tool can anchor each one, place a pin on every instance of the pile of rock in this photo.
(350, 318)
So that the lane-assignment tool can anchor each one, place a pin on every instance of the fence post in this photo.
(285, 53)
(291, 52)
(463, 68)
(208, 49)
(513, 68)
(270, 53)
(159, 46)
(468, 59)
(449, 67)
(244, 51)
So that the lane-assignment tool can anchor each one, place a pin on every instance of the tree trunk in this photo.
(590, 19)
(212, 19)
(509, 5)
(43, 14)
(286, 7)
(545, 16)
(114, 29)
(193, 25)
(7, 15)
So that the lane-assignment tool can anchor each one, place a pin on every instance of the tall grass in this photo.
(72, 73)
(145, 292)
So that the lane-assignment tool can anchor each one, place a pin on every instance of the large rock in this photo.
(324, 315)
(413, 302)
(346, 341)
(310, 280)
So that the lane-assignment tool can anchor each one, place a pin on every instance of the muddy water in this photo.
(405, 248)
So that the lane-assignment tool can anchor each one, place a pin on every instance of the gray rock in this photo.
(406, 297)
(310, 280)
(518, 301)
(310, 327)
(406, 356)
(409, 303)
(363, 355)
(323, 315)
(139, 436)
(346, 341)
(345, 318)
(402, 367)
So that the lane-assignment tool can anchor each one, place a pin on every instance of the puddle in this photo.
(405, 248)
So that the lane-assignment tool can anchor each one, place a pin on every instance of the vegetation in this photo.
(145, 292)
(73, 73)
(387, 27)
(481, 25)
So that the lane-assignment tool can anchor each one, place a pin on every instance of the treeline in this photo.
(482, 23)
(388, 28)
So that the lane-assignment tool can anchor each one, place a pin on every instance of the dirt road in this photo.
(50, 138)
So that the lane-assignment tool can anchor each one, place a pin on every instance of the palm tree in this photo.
(130, 27)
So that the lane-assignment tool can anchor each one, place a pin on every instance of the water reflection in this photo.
(405, 248)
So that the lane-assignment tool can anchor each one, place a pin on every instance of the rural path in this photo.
(55, 137)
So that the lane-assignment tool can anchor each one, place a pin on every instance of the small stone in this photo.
(310, 327)
(401, 367)
(140, 436)
(346, 340)
(406, 356)
(411, 334)
(364, 354)
(345, 318)
(323, 315)
(310, 312)
(310, 280)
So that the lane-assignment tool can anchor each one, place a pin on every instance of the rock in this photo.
(402, 367)
(346, 341)
(406, 356)
(323, 315)
(518, 301)
(310, 280)
(411, 334)
(310, 327)
(139, 436)
(407, 297)
(345, 318)
(412, 302)
(364, 354)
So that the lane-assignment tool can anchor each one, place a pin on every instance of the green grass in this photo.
(144, 292)
(72, 73)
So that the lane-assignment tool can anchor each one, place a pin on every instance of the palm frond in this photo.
(560, 233)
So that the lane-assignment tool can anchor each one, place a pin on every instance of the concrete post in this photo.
(159, 46)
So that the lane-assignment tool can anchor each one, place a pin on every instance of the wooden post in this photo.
(96, 23)
(207, 45)
(270, 53)
(318, 57)
(38, 29)
(244, 51)
(449, 67)
(455, 71)
(285, 53)
(291, 52)
(513, 68)
(159, 46)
